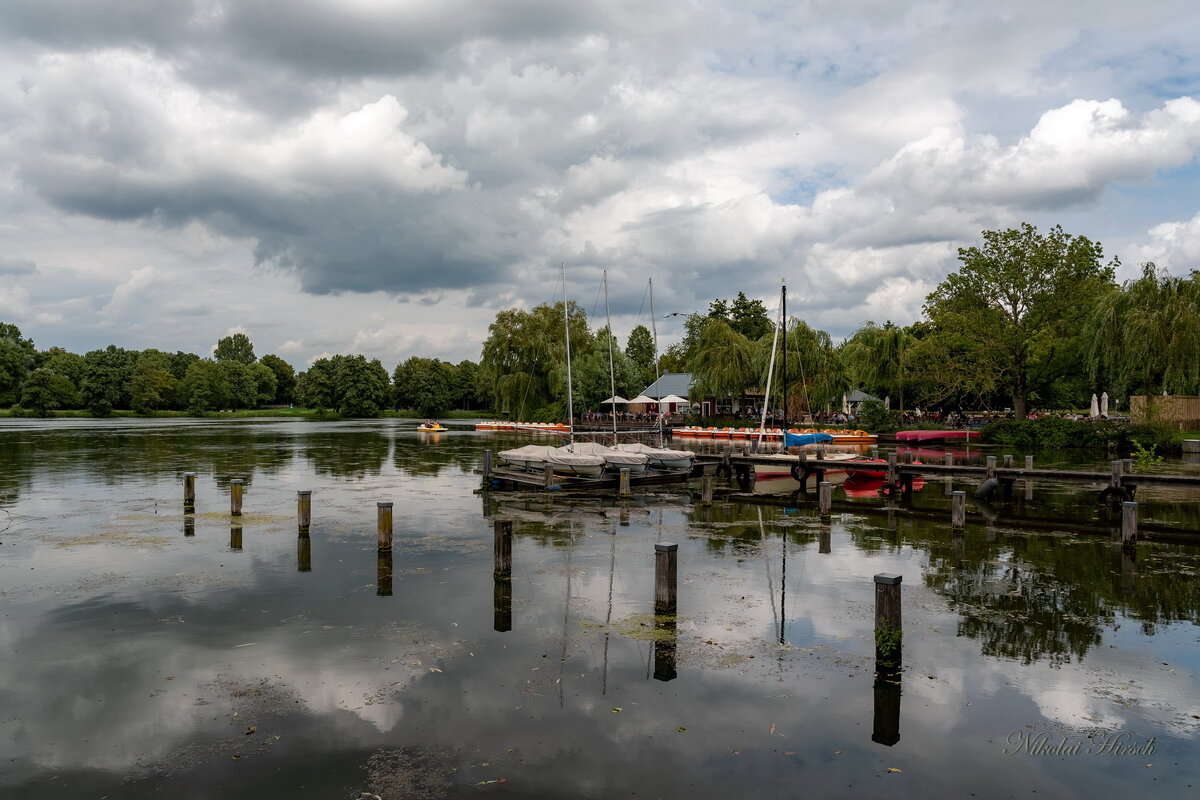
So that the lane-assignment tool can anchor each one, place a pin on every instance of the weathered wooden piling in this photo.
(502, 548)
(383, 574)
(383, 525)
(547, 476)
(874, 451)
(991, 468)
(1126, 466)
(1028, 462)
(889, 629)
(825, 540)
(623, 483)
(1118, 469)
(666, 563)
(235, 497)
(891, 468)
(1008, 460)
(189, 525)
(958, 510)
(908, 456)
(235, 538)
(948, 459)
(487, 465)
(706, 489)
(303, 553)
(825, 498)
(189, 491)
(303, 510)
(1129, 524)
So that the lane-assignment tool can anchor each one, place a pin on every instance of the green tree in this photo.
(204, 387)
(469, 390)
(45, 390)
(424, 385)
(639, 347)
(106, 379)
(1014, 301)
(285, 378)
(524, 356)
(151, 384)
(360, 386)
(17, 357)
(1145, 338)
(749, 317)
(722, 365)
(876, 358)
(315, 386)
(69, 365)
(235, 348)
(592, 380)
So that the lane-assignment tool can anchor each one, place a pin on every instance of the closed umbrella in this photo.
(845, 404)
(1095, 406)
(1104, 404)
(887, 403)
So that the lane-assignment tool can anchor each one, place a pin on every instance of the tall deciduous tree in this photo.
(360, 386)
(1015, 300)
(640, 350)
(722, 365)
(45, 390)
(425, 385)
(106, 379)
(524, 356)
(237, 347)
(285, 377)
(876, 359)
(17, 355)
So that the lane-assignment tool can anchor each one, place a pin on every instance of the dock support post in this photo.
(874, 451)
(189, 491)
(383, 574)
(1126, 466)
(623, 483)
(889, 628)
(666, 563)
(235, 497)
(948, 459)
(706, 490)
(991, 468)
(383, 525)
(502, 548)
(1129, 524)
(1029, 463)
(825, 498)
(1008, 460)
(958, 510)
(908, 456)
(547, 476)
(891, 468)
(1118, 469)
(487, 465)
(303, 510)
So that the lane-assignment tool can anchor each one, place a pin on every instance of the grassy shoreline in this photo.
(301, 413)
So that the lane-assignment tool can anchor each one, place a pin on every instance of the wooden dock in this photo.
(516, 479)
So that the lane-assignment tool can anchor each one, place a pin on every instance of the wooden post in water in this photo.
(948, 459)
(623, 483)
(889, 628)
(891, 468)
(547, 476)
(189, 525)
(908, 456)
(825, 498)
(958, 510)
(666, 563)
(820, 452)
(1129, 524)
(383, 525)
(706, 489)
(1126, 466)
(1008, 460)
(303, 553)
(1029, 463)
(825, 540)
(189, 491)
(235, 497)
(303, 510)
(874, 451)
(991, 468)
(487, 464)
(1118, 468)
(502, 548)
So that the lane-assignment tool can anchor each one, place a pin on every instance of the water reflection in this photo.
(885, 728)
(666, 641)
(235, 538)
(383, 574)
(303, 553)
(502, 605)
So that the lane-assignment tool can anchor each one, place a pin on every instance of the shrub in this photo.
(1056, 433)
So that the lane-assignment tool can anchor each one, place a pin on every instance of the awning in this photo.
(616, 398)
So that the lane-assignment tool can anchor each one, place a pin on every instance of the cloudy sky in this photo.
(382, 176)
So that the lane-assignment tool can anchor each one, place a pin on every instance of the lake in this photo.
(149, 653)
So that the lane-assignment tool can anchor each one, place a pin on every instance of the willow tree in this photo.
(723, 363)
(876, 358)
(1146, 337)
(524, 356)
(815, 372)
(1017, 302)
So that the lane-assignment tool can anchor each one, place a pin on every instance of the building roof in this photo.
(679, 383)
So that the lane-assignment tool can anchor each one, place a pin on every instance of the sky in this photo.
(382, 177)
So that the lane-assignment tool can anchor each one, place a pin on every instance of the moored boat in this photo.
(614, 460)
(661, 457)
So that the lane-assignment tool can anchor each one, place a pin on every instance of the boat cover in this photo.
(801, 439)
(610, 456)
(656, 453)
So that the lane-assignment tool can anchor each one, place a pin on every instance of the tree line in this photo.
(232, 378)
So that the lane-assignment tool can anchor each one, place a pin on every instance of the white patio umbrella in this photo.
(845, 404)
(616, 398)
(1104, 404)
(1095, 406)
(887, 403)
(641, 398)
(673, 398)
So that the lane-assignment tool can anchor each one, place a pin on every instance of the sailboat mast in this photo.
(762, 424)
(567, 339)
(654, 331)
(785, 408)
(612, 380)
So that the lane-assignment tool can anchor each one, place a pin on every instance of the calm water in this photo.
(149, 654)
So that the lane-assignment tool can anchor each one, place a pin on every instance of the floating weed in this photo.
(245, 519)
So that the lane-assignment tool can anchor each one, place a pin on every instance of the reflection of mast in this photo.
(567, 333)
(762, 535)
(612, 569)
(562, 659)
(783, 585)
